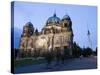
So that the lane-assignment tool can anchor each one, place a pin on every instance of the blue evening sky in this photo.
(83, 18)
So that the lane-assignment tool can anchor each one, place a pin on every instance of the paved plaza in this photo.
(70, 64)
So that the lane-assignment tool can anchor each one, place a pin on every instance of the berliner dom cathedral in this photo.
(57, 34)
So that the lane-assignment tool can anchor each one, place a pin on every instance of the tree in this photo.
(87, 52)
(95, 52)
(76, 50)
(16, 52)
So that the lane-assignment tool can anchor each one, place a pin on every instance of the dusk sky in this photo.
(83, 18)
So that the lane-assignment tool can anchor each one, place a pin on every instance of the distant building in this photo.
(56, 34)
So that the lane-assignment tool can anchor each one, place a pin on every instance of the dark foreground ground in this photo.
(70, 64)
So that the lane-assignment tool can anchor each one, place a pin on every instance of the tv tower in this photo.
(89, 39)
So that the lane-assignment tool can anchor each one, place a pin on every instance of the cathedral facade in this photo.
(57, 34)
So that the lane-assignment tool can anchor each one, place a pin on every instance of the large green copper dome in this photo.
(53, 19)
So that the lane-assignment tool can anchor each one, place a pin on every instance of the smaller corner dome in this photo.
(53, 19)
(29, 24)
(66, 17)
